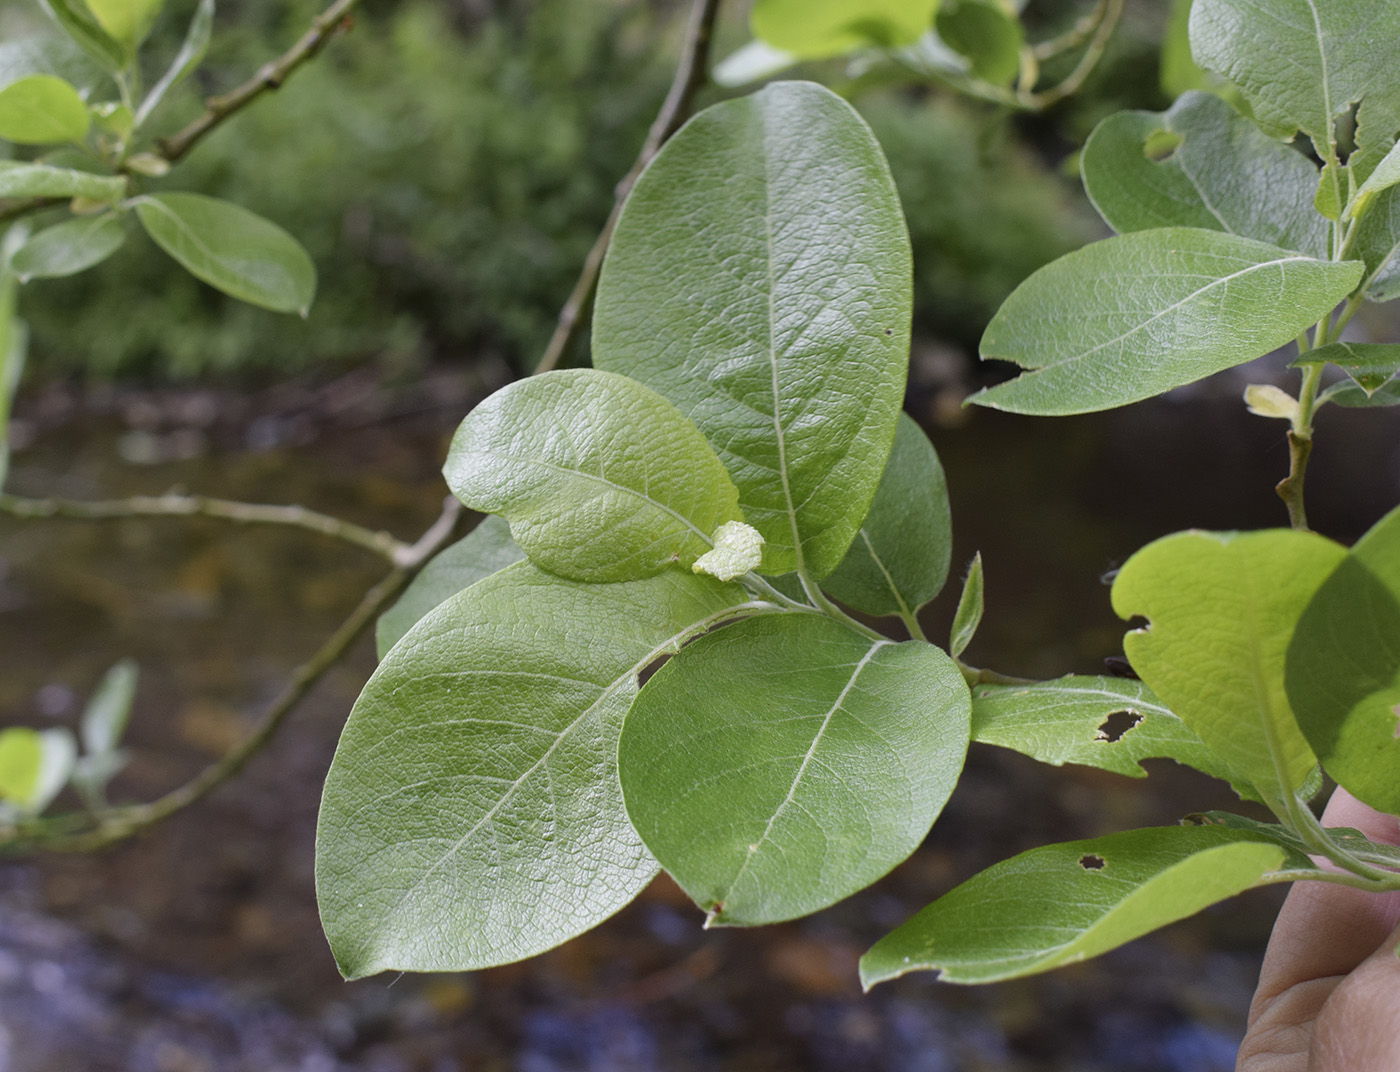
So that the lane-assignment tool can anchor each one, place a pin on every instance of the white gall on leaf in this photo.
(738, 548)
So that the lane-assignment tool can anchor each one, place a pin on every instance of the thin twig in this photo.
(270, 76)
(690, 76)
(85, 832)
(1108, 13)
(171, 505)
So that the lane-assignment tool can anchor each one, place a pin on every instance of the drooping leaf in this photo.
(778, 765)
(34, 767)
(1224, 174)
(1376, 241)
(472, 816)
(813, 29)
(191, 54)
(39, 180)
(968, 616)
(231, 249)
(1343, 675)
(987, 34)
(601, 478)
(128, 21)
(899, 559)
(1302, 64)
(1221, 609)
(1064, 903)
(753, 63)
(759, 278)
(1349, 394)
(1130, 317)
(1368, 364)
(1106, 722)
(485, 550)
(77, 21)
(69, 247)
(42, 110)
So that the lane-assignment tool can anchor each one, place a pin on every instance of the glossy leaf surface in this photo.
(1343, 673)
(1224, 175)
(778, 765)
(1065, 903)
(759, 278)
(1131, 317)
(1368, 364)
(231, 249)
(899, 559)
(485, 550)
(472, 815)
(69, 247)
(813, 29)
(1221, 609)
(1106, 722)
(1303, 63)
(601, 478)
(42, 110)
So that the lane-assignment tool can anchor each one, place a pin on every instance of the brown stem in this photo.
(86, 832)
(171, 505)
(270, 76)
(690, 76)
(1290, 488)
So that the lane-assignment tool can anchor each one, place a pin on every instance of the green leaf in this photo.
(1302, 64)
(1343, 675)
(753, 63)
(1131, 317)
(1221, 608)
(759, 278)
(485, 550)
(47, 54)
(39, 180)
(231, 249)
(987, 34)
(105, 717)
(14, 338)
(899, 559)
(1369, 365)
(42, 110)
(1061, 904)
(776, 766)
(813, 29)
(80, 25)
(1178, 71)
(128, 21)
(1224, 174)
(69, 247)
(1106, 722)
(1386, 175)
(1376, 241)
(191, 54)
(600, 477)
(1349, 394)
(472, 815)
(34, 767)
(968, 616)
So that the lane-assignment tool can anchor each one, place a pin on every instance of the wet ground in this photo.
(196, 947)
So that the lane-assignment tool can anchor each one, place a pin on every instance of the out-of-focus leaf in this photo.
(69, 247)
(42, 110)
(191, 54)
(813, 29)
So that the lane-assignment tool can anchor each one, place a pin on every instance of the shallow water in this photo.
(196, 947)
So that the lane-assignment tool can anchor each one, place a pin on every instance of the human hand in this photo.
(1328, 998)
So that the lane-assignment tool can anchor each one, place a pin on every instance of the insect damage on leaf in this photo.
(1116, 725)
(738, 549)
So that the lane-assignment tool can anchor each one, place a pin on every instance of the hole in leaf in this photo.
(1118, 666)
(1161, 145)
(1117, 724)
(1090, 862)
(1344, 132)
(651, 668)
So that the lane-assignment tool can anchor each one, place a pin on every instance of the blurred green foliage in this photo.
(448, 174)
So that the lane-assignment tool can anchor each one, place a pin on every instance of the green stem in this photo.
(1337, 878)
(831, 610)
(975, 675)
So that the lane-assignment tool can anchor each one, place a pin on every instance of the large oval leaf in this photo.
(485, 550)
(1223, 174)
(778, 765)
(600, 477)
(1343, 674)
(1065, 903)
(1130, 317)
(899, 559)
(69, 247)
(472, 816)
(759, 278)
(1221, 609)
(230, 248)
(42, 110)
